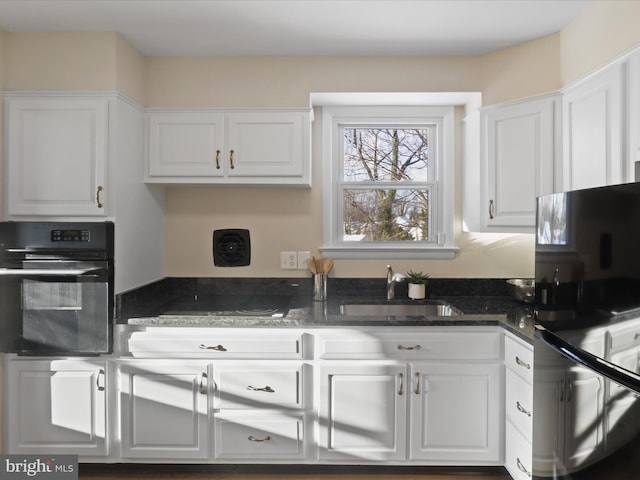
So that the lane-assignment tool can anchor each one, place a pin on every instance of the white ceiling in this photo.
(300, 27)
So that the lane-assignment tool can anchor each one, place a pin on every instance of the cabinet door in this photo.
(520, 152)
(568, 425)
(186, 145)
(164, 409)
(592, 115)
(548, 419)
(268, 144)
(57, 153)
(56, 406)
(622, 406)
(363, 411)
(455, 412)
(583, 435)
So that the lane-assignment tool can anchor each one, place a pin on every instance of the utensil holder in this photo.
(320, 287)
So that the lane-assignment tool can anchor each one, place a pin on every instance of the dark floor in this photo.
(284, 472)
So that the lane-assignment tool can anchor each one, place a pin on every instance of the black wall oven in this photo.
(56, 287)
(586, 408)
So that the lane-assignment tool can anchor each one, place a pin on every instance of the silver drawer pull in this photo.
(100, 385)
(402, 347)
(267, 389)
(523, 364)
(218, 348)
(522, 409)
(251, 438)
(203, 385)
(522, 468)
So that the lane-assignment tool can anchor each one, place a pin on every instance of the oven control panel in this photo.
(70, 235)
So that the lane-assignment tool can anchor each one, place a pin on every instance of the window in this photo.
(388, 182)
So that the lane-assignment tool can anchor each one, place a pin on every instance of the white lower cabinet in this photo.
(455, 412)
(411, 408)
(56, 406)
(363, 411)
(518, 402)
(164, 409)
(419, 396)
(260, 410)
(570, 432)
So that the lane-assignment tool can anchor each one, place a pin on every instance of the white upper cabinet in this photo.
(186, 145)
(516, 164)
(56, 155)
(593, 153)
(634, 116)
(265, 147)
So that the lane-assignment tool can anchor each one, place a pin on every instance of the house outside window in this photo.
(388, 182)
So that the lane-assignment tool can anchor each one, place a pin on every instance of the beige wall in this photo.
(130, 71)
(288, 81)
(290, 219)
(60, 61)
(605, 30)
(524, 70)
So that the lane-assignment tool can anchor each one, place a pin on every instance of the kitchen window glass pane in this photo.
(386, 215)
(386, 154)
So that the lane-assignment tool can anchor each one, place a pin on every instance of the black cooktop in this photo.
(228, 305)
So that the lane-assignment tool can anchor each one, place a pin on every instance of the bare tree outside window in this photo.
(374, 208)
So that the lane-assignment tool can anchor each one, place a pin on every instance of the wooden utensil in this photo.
(311, 263)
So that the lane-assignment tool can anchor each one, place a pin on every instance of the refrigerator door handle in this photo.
(599, 365)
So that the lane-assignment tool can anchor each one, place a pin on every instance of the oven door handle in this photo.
(48, 272)
(599, 365)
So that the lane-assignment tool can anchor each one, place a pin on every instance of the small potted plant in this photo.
(417, 284)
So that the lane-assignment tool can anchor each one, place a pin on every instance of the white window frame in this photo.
(334, 119)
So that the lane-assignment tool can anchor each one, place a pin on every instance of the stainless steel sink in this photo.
(432, 308)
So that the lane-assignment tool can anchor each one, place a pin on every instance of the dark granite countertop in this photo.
(480, 305)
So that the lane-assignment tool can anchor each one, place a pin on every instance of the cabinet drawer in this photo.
(255, 385)
(426, 343)
(214, 343)
(259, 437)
(519, 403)
(518, 357)
(518, 454)
(624, 336)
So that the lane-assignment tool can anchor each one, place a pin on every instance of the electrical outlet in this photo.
(302, 260)
(288, 260)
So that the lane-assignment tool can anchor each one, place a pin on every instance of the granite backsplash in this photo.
(147, 299)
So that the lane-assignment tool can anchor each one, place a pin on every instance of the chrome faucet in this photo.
(392, 279)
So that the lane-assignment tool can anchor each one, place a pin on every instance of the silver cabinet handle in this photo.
(522, 409)
(100, 385)
(523, 364)
(98, 191)
(402, 347)
(202, 387)
(267, 389)
(401, 389)
(562, 390)
(417, 390)
(522, 468)
(492, 208)
(218, 348)
(251, 438)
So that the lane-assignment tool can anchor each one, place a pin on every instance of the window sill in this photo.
(384, 252)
